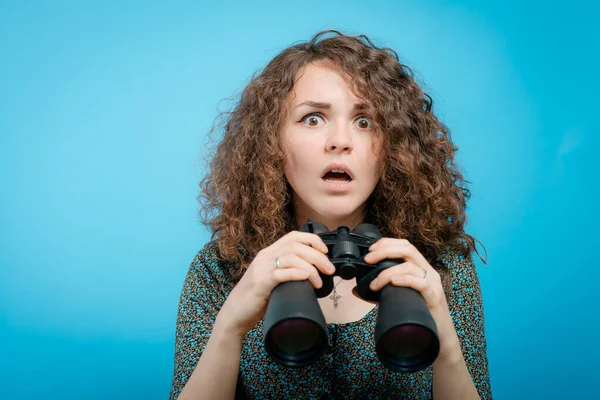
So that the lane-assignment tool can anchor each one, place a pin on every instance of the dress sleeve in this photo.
(466, 309)
(199, 303)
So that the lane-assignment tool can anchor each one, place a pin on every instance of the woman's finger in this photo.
(395, 248)
(427, 289)
(385, 276)
(267, 283)
(292, 260)
(309, 239)
(282, 275)
(313, 257)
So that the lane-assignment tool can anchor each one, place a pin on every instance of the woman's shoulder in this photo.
(453, 257)
(458, 264)
(208, 267)
(209, 253)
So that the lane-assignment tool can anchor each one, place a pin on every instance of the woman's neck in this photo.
(332, 223)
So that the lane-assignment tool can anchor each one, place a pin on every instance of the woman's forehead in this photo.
(322, 82)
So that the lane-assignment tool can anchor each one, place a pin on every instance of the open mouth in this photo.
(336, 176)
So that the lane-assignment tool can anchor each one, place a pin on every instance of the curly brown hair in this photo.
(421, 195)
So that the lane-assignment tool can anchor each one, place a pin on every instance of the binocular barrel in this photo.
(295, 331)
(406, 338)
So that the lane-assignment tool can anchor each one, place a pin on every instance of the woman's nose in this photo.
(339, 139)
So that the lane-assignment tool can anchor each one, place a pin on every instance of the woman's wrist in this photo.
(450, 348)
(451, 378)
(225, 328)
(451, 355)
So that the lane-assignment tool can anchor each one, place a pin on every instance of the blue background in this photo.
(104, 111)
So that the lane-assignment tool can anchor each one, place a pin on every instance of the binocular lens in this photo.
(296, 341)
(408, 346)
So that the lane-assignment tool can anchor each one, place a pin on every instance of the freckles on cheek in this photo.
(296, 151)
(291, 159)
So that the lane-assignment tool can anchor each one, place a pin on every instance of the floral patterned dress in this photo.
(350, 368)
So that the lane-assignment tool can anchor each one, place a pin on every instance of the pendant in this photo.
(335, 298)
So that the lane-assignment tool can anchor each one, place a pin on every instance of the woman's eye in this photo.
(312, 119)
(364, 123)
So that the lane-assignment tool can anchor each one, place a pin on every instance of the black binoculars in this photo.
(295, 331)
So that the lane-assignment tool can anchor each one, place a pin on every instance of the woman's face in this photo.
(331, 154)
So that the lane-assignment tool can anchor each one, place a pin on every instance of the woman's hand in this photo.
(415, 272)
(295, 257)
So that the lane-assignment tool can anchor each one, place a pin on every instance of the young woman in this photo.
(335, 130)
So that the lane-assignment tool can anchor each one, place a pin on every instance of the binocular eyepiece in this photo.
(295, 331)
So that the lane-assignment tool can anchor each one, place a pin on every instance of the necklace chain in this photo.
(335, 296)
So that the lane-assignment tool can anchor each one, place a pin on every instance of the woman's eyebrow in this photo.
(327, 106)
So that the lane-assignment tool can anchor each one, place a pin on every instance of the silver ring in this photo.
(277, 263)
(424, 273)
